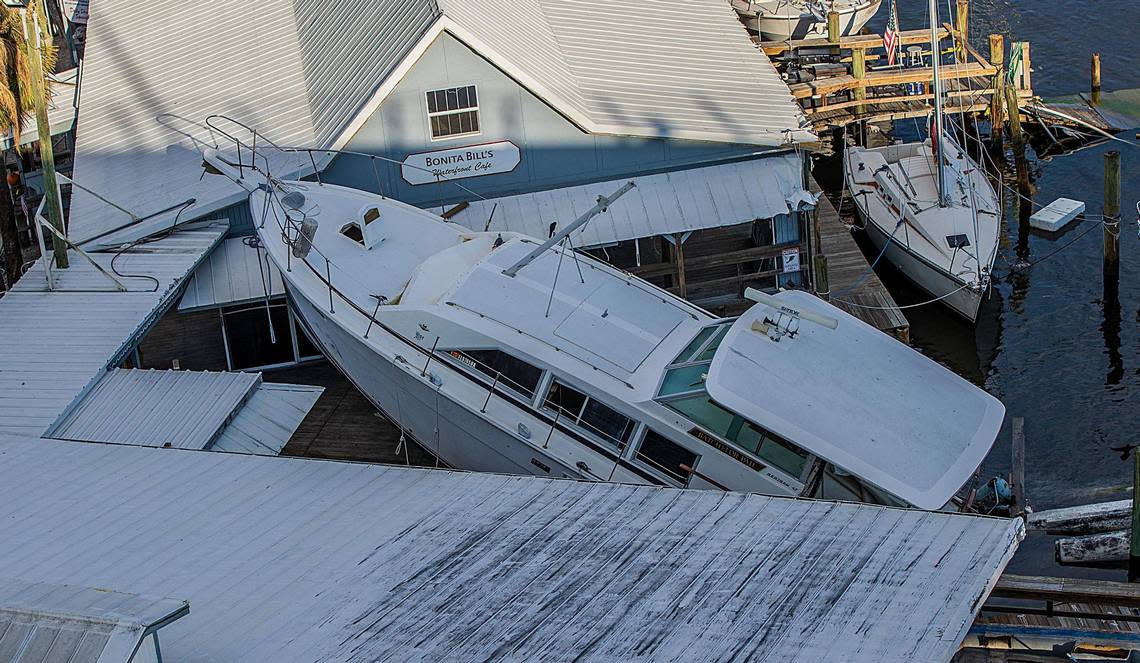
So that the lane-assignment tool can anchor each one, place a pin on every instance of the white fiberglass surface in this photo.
(900, 182)
(860, 399)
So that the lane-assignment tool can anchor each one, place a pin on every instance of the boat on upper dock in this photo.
(780, 20)
(502, 353)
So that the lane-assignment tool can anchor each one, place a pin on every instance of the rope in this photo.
(899, 308)
(1029, 265)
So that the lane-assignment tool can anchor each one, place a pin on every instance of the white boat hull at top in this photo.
(781, 20)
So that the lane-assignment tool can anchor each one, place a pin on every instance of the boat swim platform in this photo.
(848, 272)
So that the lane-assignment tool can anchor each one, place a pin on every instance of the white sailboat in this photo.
(781, 20)
(930, 210)
(502, 353)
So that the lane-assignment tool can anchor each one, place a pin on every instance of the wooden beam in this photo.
(718, 260)
(997, 59)
(679, 261)
(906, 37)
(895, 99)
(833, 84)
(1067, 590)
(1017, 467)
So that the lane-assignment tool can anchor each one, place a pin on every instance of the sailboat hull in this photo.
(961, 300)
(453, 432)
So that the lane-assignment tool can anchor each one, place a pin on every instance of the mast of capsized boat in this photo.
(937, 134)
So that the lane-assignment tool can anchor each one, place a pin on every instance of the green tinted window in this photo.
(694, 345)
(705, 413)
(707, 353)
(686, 378)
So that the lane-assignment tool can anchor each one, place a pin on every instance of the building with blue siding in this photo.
(496, 114)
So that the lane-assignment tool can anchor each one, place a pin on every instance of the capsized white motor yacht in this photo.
(502, 353)
(781, 20)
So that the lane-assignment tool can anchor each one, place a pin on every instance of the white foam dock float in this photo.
(1057, 214)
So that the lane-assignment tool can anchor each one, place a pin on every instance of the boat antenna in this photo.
(937, 130)
(603, 204)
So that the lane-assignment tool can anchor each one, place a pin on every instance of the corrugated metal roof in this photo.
(61, 110)
(188, 60)
(349, 48)
(58, 343)
(669, 68)
(268, 419)
(306, 560)
(301, 71)
(235, 273)
(45, 623)
(185, 409)
(671, 202)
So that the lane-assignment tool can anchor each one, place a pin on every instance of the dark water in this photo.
(1050, 345)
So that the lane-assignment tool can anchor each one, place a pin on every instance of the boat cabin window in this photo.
(767, 446)
(352, 231)
(666, 456)
(512, 372)
(595, 417)
(835, 484)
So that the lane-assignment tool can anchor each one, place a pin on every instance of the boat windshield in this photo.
(683, 391)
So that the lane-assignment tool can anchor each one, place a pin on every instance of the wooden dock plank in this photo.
(863, 294)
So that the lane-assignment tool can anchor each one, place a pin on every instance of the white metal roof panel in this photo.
(236, 272)
(862, 400)
(45, 623)
(268, 419)
(185, 409)
(677, 201)
(306, 560)
(61, 110)
(182, 61)
(60, 342)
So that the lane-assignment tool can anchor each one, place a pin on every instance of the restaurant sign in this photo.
(460, 162)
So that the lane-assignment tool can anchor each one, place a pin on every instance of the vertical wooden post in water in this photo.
(859, 71)
(962, 23)
(1111, 217)
(1096, 78)
(1134, 543)
(997, 59)
(51, 189)
(833, 27)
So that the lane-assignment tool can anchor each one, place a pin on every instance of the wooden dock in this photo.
(343, 425)
(1097, 615)
(850, 286)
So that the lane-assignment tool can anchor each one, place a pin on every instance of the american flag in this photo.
(891, 36)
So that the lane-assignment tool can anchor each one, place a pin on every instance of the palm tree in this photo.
(16, 103)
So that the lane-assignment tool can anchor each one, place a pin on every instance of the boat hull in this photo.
(963, 301)
(459, 436)
(787, 23)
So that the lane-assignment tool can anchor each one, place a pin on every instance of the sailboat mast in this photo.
(937, 134)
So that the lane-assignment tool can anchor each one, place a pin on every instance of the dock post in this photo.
(859, 72)
(997, 59)
(962, 23)
(1096, 78)
(1111, 218)
(1134, 543)
(679, 258)
(1026, 68)
(1013, 112)
(1017, 468)
(833, 27)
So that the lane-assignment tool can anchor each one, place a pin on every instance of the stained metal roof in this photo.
(58, 343)
(45, 623)
(185, 409)
(303, 74)
(268, 419)
(236, 272)
(305, 560)
(672, 202)
(221, 411)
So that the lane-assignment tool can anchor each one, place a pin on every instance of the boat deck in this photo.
(868, 300)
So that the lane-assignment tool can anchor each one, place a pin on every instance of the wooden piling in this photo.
(833, 27)
(859, 72)
(962, 23)
(1026, 68)
(1134, 541)
(1017, 467)
(1111, 217)
(679, 257)
(997, 59)
(1096, 78)
(1013, 112)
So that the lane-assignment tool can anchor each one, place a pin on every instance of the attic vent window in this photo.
(453, 112)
